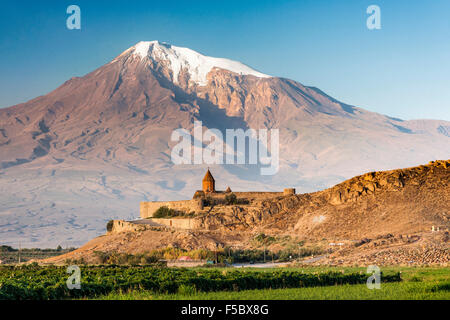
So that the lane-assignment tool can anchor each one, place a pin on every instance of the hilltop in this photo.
(388, 217)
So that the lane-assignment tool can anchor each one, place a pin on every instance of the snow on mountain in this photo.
(196, 64)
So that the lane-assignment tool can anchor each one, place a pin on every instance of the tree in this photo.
(230, 199)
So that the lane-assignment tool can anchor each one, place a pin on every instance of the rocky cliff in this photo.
(383, 217)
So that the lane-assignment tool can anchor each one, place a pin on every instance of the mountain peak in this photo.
(196, 64)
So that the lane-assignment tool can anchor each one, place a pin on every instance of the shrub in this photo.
(164, 212)
(103, 257)
(210, 202)
(7, 249)
(109, 225)
(440, 287)
(295, 253)
(230, 199)
(264, 239)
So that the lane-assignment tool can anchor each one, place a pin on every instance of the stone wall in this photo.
(247, 195)
(125, 226)
(119, 226)
(178, 223)
(289, 191)
(147, 209)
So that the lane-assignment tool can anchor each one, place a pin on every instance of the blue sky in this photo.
(402, 70)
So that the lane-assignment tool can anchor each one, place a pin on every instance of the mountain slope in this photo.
(93, 148)
(376, 218)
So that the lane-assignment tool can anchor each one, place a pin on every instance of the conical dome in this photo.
(209, 184)
(208, 176)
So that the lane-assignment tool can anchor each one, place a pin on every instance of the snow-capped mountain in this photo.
(184, 60)
(95, 147)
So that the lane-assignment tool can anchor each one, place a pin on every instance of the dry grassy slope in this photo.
(398, 201)
(144, 241)
(402, 202)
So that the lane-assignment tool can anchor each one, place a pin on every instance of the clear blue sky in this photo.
(402, 70)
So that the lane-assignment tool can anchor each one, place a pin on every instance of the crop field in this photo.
(150, 282)
(418, 283)
(388, 291)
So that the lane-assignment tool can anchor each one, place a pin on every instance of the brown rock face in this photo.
(391, 226)
(390, 180)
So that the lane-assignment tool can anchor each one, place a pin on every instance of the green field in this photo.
(401, 291)
(157, 282)
(428, 283)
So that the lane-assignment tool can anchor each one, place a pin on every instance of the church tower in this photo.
(208, 183)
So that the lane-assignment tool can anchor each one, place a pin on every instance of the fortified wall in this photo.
(196, 205)
(202, 198)
(148, 208)
(178, 223)
(118, 226)
(262, 195)
(206, 200)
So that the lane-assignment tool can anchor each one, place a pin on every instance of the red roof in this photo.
(184, 258)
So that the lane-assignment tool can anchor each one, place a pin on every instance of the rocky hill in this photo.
(376, 203)
(389, 217)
